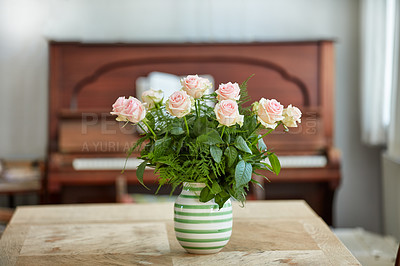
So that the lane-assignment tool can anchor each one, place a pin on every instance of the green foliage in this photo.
(216, 153)
(243, 173)
(211, 137)
(140, 172)
(177, 131)
(261, 144)
(276, 166)
(231, 154)
(206, 194)
(241, 144)
(244, 96)
(196, 148)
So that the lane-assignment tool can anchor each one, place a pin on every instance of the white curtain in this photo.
(393, 150)
(378, 68)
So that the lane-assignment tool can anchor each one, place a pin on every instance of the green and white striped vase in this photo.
(201, 228)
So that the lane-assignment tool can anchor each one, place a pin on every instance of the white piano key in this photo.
(302, 161)
(105, 163)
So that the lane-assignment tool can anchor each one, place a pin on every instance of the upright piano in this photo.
(86, 146)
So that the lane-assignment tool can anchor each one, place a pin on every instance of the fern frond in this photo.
(244, 95)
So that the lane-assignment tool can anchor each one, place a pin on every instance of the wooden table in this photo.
(264, 233)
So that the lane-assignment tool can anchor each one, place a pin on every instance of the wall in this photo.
(25, 25)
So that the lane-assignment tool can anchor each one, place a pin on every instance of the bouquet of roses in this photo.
(206, 138)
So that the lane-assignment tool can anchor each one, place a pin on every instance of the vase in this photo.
(201, 228)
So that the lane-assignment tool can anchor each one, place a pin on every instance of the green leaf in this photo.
(243, 173)
(262, 175)
(206, 195)
(244, 95)
(216, 153)
(261, 144)
(211, 137)
(267, 167)
(250, 123)
(177, 131)
(202, 138)
(200, 126)
(257, 183)
(215, 189)
(179, 144)
(276, 165)
(244, 83)
(241, 144)
(227, 137)
(221, 198)
(190, 119)
(161, 146)
(231, 153)
(140, 172)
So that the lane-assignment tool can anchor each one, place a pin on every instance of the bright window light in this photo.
(389, 55)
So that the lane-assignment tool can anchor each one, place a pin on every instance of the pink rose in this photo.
(227, 113)
(152, 97)
(179, 104)
(269, 112)
(129, 110)
(195, 86)
(118, 106)
(228, 91)
(291, 116)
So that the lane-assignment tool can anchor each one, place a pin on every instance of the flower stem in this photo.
(258, 125)
(147, 125)
(186, 124)
(269, 131)
(141, 127)
(223, 130)
(197, 107)
(126, 124)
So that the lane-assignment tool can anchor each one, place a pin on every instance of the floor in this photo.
(369, 248)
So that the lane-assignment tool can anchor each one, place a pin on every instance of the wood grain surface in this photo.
(264, 233)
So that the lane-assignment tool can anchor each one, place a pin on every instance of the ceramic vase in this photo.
(201, 228)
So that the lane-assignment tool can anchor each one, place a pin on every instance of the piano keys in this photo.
(87, 146)
(82, 164)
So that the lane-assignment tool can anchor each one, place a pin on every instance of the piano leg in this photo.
(327, 211)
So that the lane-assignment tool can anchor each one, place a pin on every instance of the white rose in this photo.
(152, 97)
(291, 116)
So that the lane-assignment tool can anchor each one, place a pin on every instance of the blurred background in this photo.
(366, 52)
